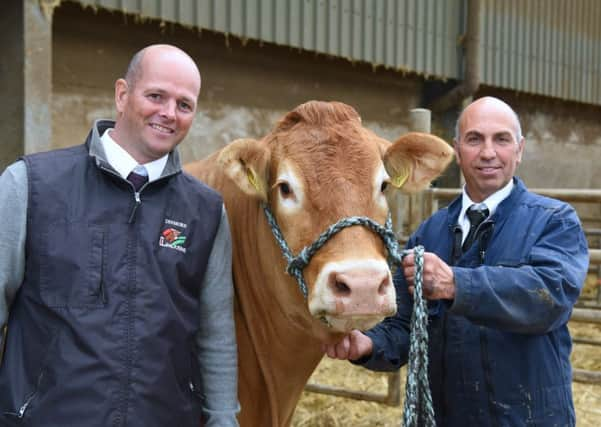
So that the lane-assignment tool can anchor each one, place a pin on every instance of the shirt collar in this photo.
(124, 163)
(491, 203)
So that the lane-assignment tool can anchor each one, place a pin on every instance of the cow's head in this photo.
(320, 165)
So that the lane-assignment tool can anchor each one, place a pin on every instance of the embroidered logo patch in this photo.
(172, 238)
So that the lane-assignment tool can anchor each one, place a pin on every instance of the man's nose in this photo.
(168, 110)
(488, 150)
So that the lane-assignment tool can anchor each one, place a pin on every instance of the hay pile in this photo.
(587, 397)
(319, 410)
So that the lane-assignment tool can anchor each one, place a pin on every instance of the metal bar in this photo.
(394, 389)
(583, 376)
(587, 341)
(595, 256)
(351, 394)
(599, 279)
(586, 315)
(587, 303)
(574, 195)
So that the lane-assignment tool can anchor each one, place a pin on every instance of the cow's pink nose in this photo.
(358, 284)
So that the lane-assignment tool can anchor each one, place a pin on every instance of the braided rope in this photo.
(418, 410)
(296, 264)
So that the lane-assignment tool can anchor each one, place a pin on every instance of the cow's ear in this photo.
(415, 160)
(246, 162)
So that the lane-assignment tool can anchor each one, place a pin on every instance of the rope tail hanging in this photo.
(418, 410)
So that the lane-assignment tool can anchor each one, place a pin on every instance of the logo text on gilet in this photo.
(173, 238)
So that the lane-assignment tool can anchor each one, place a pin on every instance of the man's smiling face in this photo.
(489, 147)
(157, 109)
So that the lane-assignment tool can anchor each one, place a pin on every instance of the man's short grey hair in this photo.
(134, 69)
(517, 120)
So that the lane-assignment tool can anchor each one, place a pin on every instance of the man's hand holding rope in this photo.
(438, 283)
(438, 278)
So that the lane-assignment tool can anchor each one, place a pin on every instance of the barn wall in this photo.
(563, 141)
(550, 48)
(247, 87)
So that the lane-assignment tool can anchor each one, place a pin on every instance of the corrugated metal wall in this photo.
(410, 35)
(545, 47)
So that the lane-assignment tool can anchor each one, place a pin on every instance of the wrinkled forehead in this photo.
(489, 118)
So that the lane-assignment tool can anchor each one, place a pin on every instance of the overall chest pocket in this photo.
(72, 265)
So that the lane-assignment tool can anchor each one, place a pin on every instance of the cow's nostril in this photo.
(341, 288)
(383, 288)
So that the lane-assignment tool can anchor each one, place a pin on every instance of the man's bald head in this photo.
(156, 102)
(492, 103)
(135, 68)
(488, 146)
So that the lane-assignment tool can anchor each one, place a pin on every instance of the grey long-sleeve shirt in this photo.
(215, 338)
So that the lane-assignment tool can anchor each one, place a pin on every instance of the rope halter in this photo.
(296, 264)
(418, 410)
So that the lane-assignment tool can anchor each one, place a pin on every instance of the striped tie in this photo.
(138, 177)
(476, 214)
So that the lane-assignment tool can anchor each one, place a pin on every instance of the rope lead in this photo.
(418, 410)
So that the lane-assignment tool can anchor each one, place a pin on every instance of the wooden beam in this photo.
(25, 80)
(420, 121)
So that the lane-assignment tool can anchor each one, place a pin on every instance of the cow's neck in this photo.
(279, 340)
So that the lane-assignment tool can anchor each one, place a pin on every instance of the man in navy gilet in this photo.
(502, 272)
(115, 271)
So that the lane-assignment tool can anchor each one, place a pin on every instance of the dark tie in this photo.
(138, 177)
(476, 214)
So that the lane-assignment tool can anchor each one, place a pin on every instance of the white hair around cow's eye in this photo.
(285, 190)
(289, 190)
(381, 185)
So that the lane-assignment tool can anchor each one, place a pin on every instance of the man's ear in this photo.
(415, 160)
(246, 162)
(121, 92)
(520, 149)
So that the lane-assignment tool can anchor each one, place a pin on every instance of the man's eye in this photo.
(154, 96)
(185, 106)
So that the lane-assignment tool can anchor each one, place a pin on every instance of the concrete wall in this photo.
(563, 141)
(245, 88)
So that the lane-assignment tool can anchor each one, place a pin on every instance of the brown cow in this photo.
(317, 166)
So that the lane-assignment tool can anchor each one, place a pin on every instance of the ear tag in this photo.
(252, 178)
(399, 180)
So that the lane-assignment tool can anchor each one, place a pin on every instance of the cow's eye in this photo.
(285, 190)
(384, 186)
